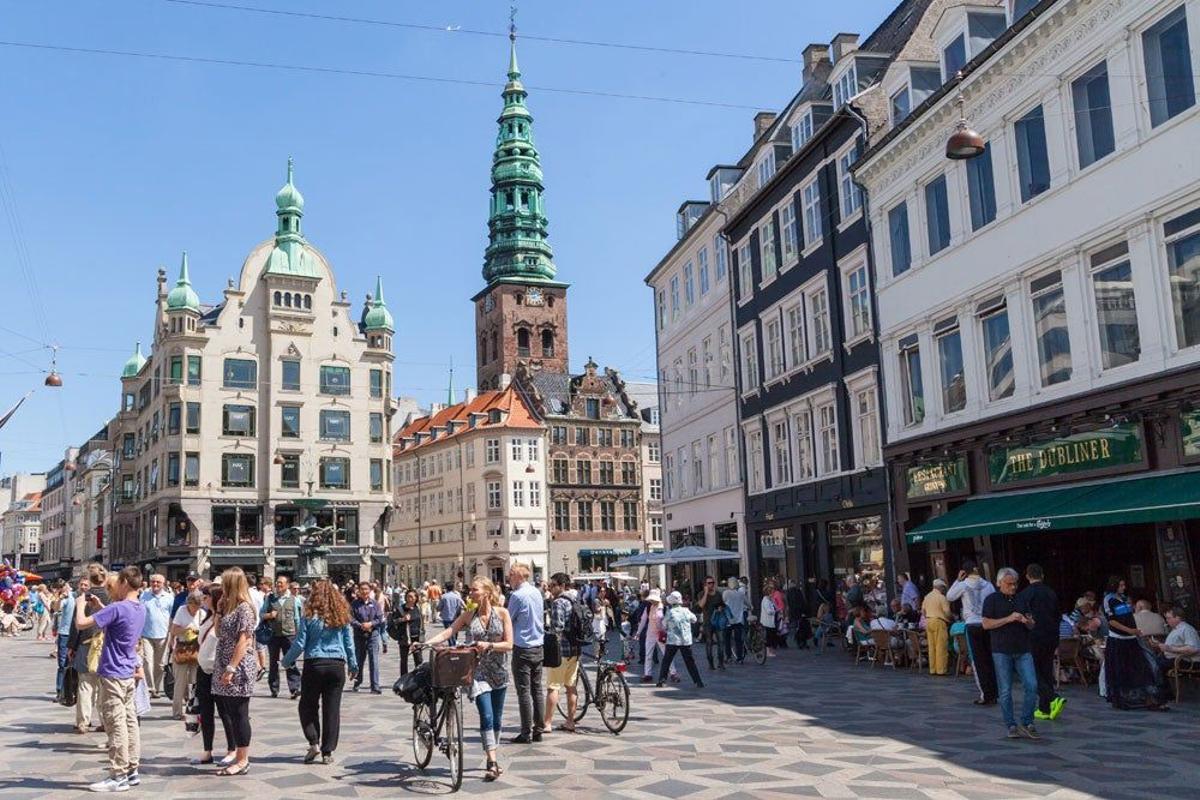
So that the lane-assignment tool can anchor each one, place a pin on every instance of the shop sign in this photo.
(1189, 427)
(936, 478)
(1081, 452)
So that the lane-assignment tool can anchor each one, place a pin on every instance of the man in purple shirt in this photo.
(366, 617)
(119, 668)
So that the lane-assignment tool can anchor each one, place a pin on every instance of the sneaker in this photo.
(1056, 706)
(1029, 731)
(133, 779)
(1013, 733)
(327, 758)
(1039, 714)
(110, 785)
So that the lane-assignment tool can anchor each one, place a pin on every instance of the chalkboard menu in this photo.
(1177, 569)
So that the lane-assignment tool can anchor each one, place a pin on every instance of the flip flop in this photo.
(232, 770)
(565, 729)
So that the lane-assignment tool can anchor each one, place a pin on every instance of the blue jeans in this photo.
(62, 661)
(491, 708)
(1023, 665)
(367, 650)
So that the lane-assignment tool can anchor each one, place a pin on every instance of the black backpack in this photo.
(397, 628)
(578, 629)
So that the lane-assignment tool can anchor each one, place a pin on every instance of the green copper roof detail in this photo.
(183, 296)
(450, 388)
(289, 257)
(135, 363)
(378, 317)
(517, 246)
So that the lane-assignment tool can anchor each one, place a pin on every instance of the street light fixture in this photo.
(965, 142)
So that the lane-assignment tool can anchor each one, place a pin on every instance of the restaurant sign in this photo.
(1189, 428)
(936, 478)
(1081, 452)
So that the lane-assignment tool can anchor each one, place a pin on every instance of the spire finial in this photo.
(183, 270)
(291, 168)
(514, 72)
(450, 388)
(378, 298)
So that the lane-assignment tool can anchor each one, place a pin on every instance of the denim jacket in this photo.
(314, 640)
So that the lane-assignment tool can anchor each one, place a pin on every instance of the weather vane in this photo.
(512, 23)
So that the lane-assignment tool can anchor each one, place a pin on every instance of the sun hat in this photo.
(655, 596)
(674, 599)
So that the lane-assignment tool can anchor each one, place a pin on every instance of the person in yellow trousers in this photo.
(936, 609)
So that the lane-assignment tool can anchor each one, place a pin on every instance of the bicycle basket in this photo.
(453, 666)
(414, 687)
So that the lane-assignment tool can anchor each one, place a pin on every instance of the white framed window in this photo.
(766, 248)
(662, 309)
(732, 470)
(674, 297)
(470, 497)
(494, 499)
(864, 407)
(745, 272)
(766, 167)
(795, 330)
(516, 448)
(702, 261)
(693, 371)
(678, 380)
(781, 454)
(811, 197)
(754, 452)
(653, 451)
(775, 363)
(518, 494)
(803, 432)
(668, 475)
(750, 377)
(697, 468)
(706, 358)
(954, 57)
(818, 318)
(1050, 328)
(656, 530)
(724, 356)
(535, 494)
(827, 438)
(846, 86)
(951, 370)
(492, 452)
(1116, 306)
(1182, 235)
(533, 450)
(689, 284)
(857, 292)
(912, 387)
(901, 105)
(787, 232)
(997, 351)
(656, 488)
(722, 257)
(1170, 83)
(802, 130)
(713, 449)
(849, 193)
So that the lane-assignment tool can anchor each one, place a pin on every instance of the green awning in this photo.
(1158, 498)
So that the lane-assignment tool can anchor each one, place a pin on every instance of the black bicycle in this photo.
(438, 723)
(610, 695)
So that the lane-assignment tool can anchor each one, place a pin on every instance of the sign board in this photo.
(936, 478)
(1189, 430)
(1177, 569)
(1120, 445)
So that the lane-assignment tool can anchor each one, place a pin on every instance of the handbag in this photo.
(141, 699)
(551, 650)
(263, 633)
(186, 652)
(169, 680)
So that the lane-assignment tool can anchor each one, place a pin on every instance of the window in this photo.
(766, 249)
(471, 498)
(811, 195)
(1033, 160)
(494, 498)
(818, 314)
(604, 437)
(191, 469)
(954, 57)
(289, 472)
(238, 421)
(561, 470)
(858, 296)
(375, 421)
(174, 414)
(1183, 262)
(732, 471)
(1116, 307)
(533, 450)
(782, 452)
(866, 427)
(1022, 7)
(240, 373)
(376, 474)
(723, 351)
(582, 437)
(608, 515)
(749, 362)
(523, 342)
(583, 471)
(802, 131)
(697, 468)
(654, 450)
(775, 366)
(997, 353)
(492, 451)
(1050, 328)
(175, 371)
(335, 380)
(662, 309)
(562, 515)
(754, 450)
(983, 29)
(515, 449)
(376, 383)
(547, 343)
(172, 469)
(656, 530)
(192, 423)
(518, 494)
(193, 370)
(788, 233)
(674, 297)
(535, 494)
(291, 375)
(795, 325)
(237, 469)
(702, 260)
(850, 194)
(722, 257)
(289, 422)
(128, 446)
(937, 215)
(706, 359)
(629, 517)
(558, 434)
(627, 438)
(335, 425)
(689, 284)
(981, 188)
(607, 471)
(335, 473)
(845, 87)
(592, 407)
(901, 105)
(628, 473)
(910, 381)
(469, 449)
(1169, 81)
(766, 167)
(827, 437)
(1093, 115)
(656, 488)
(950, 367)
(584, 508)
(745, 273)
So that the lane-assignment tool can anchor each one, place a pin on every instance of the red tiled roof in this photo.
(35, 501)
(508, 400)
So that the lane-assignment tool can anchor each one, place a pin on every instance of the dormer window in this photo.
(845, 87)
(982, 29)
(1019, 8)
(901, 105)
(954, 56)
(802, 130)
(922, 82)
(766, 167)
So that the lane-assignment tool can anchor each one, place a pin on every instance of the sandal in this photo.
(197, 762)
(492, 772)
(234, 769)
(565, 729)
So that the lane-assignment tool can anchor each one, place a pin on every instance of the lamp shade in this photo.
(964, 143)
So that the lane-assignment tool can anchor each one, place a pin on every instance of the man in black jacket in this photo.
(79, 647)
(1042, 605)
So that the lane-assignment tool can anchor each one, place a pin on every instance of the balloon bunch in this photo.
(12, 584)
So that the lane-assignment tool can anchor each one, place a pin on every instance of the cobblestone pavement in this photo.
(803, 725)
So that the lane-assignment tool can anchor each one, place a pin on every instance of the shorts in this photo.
(565, 674)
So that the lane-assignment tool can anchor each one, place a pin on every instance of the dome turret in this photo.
(378, 317)
(289, 200)
(183, 296)
(135, 363)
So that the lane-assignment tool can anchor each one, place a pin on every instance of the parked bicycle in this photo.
(437, 712)
(610, 695)
(756, 641)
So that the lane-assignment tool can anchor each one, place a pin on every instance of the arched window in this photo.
(483, 350)
(547, 343)
(308, 302)
(494, 346)
(278, 299)
(287, 299)
(523, 342)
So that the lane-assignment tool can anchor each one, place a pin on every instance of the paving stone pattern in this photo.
(803, 725)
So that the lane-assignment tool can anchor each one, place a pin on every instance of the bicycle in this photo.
(439, 723)
(756, 641)
(610, 697)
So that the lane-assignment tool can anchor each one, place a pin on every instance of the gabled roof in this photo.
(517, 415)
(33, 501)
(555, 389)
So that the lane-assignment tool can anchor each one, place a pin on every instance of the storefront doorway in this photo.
(856, 546)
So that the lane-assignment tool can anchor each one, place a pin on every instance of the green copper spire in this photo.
(135, 363)
(450, 388)
(517, 247)
(378, 317)
(288, 257)
(183, 296)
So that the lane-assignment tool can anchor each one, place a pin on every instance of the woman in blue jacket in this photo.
(324, 638)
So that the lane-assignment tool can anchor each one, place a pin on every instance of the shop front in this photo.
(1087, 495)
(600, 559)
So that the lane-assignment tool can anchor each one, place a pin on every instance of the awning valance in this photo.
(1155, 498)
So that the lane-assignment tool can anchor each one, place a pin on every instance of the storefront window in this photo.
(727, 539)
(224, 525)
(856, 546)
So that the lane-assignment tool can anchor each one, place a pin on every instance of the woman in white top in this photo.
(766, 616)
(205, 661)
(652, 624)
(181, 643)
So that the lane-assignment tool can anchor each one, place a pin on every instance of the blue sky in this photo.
(115, 164)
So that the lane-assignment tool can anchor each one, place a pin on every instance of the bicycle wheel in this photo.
(583, 696)
(422, 735)
(758, 645)
(454, 740)
(612, 700)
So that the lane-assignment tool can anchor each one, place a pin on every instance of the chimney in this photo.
(468, 395)
(843, 44)
(762, 121)
(814, 54)
(505, 380)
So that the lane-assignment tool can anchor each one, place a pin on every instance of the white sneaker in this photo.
(133, 779)
(110, 785)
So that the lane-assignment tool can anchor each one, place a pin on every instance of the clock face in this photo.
(489, 303)
(533, 297)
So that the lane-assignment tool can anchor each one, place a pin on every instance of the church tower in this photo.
(521, 314)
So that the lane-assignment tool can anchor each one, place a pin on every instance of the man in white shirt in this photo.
(735, 633)
(1182, 642)
(258, 596)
